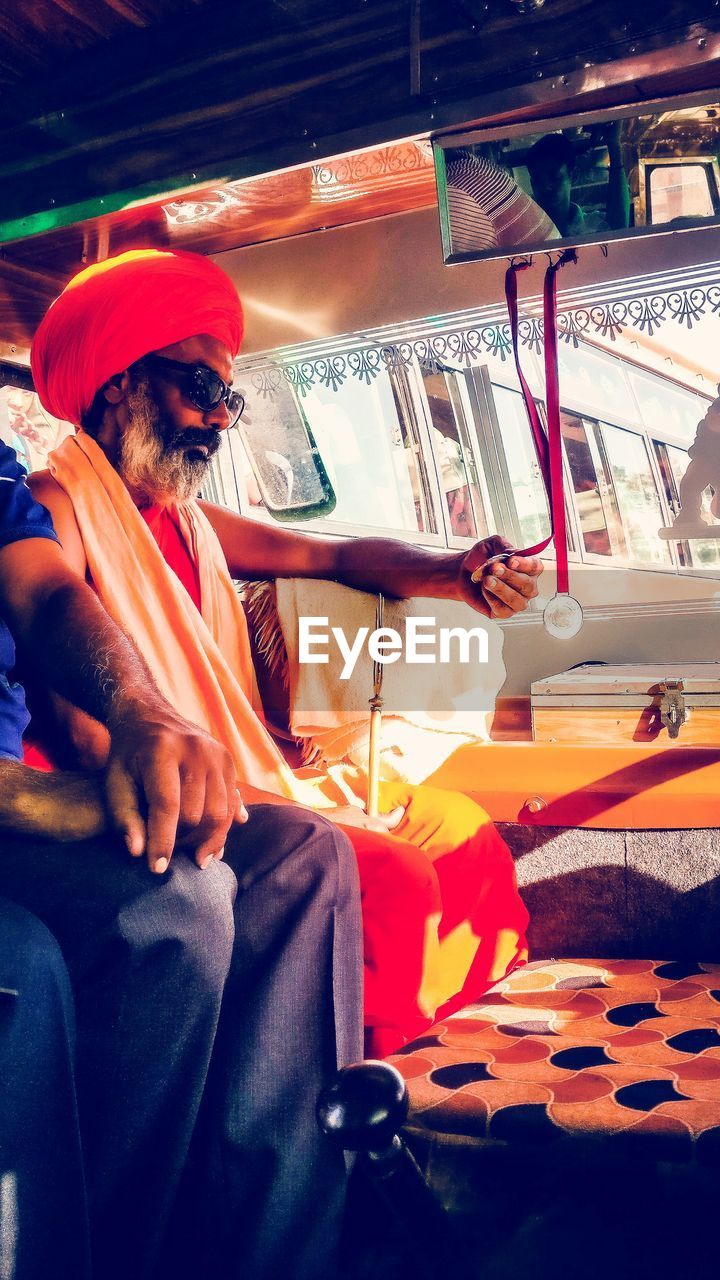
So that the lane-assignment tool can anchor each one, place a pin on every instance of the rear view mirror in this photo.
(281, 450)
(579, 180)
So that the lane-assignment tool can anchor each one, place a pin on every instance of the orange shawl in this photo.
(200, 662)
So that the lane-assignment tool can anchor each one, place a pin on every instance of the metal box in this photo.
(673, 704)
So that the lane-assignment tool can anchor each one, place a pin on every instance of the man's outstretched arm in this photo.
(165, 777)
(256, 550)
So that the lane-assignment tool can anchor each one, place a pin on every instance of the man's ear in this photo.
(116, 388)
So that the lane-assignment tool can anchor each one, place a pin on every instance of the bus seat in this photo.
(622, 895)
(582, 1096)
(570, 1121)
(626, 1050)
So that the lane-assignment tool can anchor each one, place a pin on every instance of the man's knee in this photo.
(37, 1024)
(183, 924)
(30, 958)
(299, 848)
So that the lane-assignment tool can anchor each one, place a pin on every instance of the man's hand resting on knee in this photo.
(167, 785)
(351, 815)
(167, 782)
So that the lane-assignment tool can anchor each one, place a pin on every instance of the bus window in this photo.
(590, 379)
(417, 448)
(526, 488)
(667, 409)
(279, 443)
(673, 463)
(637, 495)
(368, 440)
(367, 449)
(455, 457)
(231, 481)
(26, 426)
(595, 502)
(679, 191)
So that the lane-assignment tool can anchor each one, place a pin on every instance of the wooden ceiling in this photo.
(36, 34)
(125, 122)
(114, 99)
(213, 218)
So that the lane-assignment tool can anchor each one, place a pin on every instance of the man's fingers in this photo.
(219, 806)
(385, 821)
(496, 545)
(123, 802)
(394, 818)
(240, 813)
(531, 565)
(193, 798)
(496, 586)
(497, 609)
(478, 565)
(211, 831)
(183, 778)
(353, 816)
(161, 785)
(209, 851)
(523, 583)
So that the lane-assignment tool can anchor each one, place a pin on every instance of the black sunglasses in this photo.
(203, 386)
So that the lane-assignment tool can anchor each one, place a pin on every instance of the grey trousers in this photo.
(211, 1007)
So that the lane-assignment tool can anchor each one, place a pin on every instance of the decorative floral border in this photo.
(465, 346)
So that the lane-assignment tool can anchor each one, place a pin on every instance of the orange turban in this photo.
(116, 311)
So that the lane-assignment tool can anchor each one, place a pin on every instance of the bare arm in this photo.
(55, 806)
(165, 776)
(61, 626)
(255, 550)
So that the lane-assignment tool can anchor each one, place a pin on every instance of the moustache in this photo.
(208, 438)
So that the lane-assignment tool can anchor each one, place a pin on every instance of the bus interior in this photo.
(570, 1123)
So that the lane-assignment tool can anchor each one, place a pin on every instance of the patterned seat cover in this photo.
(622, 1049)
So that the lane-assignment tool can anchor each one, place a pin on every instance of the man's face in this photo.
(551, 184)
(167, 442)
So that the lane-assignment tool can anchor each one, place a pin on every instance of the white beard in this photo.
(144, 462)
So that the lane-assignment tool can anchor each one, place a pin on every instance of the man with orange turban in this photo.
(138, 352)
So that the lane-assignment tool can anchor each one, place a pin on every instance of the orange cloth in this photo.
(200, 661)
(442, 915)
(116, 311)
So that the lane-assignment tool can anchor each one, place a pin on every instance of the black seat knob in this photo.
(364, 1107)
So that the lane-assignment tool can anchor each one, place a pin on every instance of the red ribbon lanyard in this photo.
(549, 448)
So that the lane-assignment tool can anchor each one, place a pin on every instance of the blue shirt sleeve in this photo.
(20, 517)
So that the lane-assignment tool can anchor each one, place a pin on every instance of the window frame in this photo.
(647, 166)
(405, 397)
(471, 395)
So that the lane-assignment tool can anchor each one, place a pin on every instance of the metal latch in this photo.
(673, 712)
